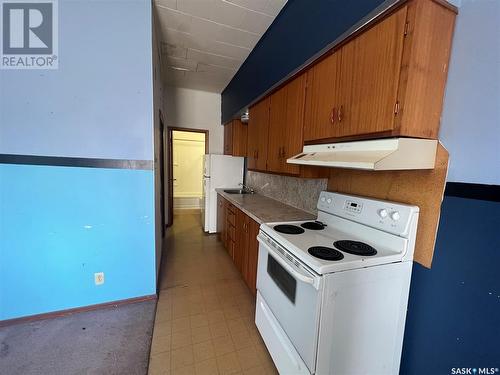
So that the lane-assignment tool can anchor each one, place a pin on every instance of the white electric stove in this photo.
(332, 293)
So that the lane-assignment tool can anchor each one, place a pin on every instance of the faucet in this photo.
(248, 189)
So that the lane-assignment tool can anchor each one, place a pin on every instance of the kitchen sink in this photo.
(237, 191)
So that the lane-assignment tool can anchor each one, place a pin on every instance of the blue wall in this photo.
(60, 225)
(302, 29)
(454, 309)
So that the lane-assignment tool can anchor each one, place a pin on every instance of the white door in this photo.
(293, 294)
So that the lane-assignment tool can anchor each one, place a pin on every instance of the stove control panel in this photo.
(352, 206)
(387, 216)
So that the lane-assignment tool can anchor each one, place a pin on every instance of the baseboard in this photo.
(60, 313)
(187, 202)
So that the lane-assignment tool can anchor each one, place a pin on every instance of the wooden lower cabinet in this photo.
(252, 255)
(238, 233)
(221, 218)
(241, 241)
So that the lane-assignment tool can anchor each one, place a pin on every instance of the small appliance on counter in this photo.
(332, 294)
(219, 171)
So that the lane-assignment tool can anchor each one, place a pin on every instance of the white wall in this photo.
(470, 127)
(194, 109)
(98, 103)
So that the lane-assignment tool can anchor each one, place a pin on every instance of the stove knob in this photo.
(323, 199)
(395, 216)
(382, 213)
(329, 200)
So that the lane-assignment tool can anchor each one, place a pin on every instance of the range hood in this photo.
(375, 155)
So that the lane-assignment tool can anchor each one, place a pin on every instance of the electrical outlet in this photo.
(99, 278)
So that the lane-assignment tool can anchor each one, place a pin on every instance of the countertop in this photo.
(265, 210)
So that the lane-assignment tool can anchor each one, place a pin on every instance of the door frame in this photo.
(170, 139)
(161, 157)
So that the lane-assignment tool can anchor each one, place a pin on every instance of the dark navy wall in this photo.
(454, 309)
(302, 29)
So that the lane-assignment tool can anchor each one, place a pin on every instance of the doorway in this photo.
(187, 147)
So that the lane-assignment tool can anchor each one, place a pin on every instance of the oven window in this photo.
(282, 278)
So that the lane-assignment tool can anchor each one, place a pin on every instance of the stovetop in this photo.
(350, 232)
(386, 250)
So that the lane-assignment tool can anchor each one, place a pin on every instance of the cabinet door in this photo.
(245, 243)
(371, 65)
(258, 127)
(277, 130)
(221, 218)
(253, 253)
(240, 241)
(228, 138)
(322, 98)
(293, 132)
(239, 138)
(286, 116)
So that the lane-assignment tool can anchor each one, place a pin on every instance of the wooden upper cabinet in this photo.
(239, 138)
(286, 126)
(277, 128)
(235, 138)
(228, 138)
(258, 128)
(322, 98)
(387, 81)
(369, 78)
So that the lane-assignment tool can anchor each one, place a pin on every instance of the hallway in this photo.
(204, 321)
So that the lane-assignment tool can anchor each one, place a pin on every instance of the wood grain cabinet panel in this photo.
(388, 80)
(369, 78)
(286, 126)
(277, 129)
(258, 128)
(221, 218)
(239, 138)
(228, 138)
(240, 241)
(322, 98)
(253, 254)
(235, 138)
(241, 237)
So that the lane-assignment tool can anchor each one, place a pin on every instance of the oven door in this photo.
(293, 294)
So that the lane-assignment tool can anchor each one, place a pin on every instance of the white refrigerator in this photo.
(219, 171)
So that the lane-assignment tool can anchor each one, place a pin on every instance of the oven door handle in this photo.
(306, 279)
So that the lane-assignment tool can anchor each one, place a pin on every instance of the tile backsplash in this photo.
(302, 193)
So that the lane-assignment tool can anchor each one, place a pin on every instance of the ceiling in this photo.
(204, 42)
